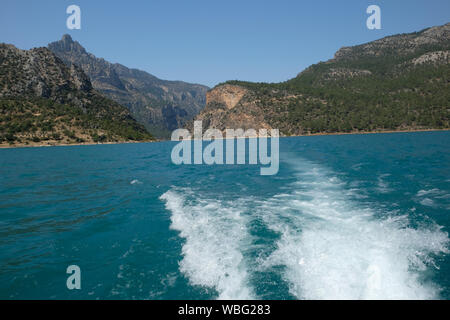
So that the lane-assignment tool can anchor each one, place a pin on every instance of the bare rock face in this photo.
(231, 107)
(38, 72)
(226, 95)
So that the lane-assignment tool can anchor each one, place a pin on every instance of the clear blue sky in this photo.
(210, 41)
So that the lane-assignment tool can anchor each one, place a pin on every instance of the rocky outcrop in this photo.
(345, 73)
(437, 57)
(226, 95)
(232, 107)
(38, 72)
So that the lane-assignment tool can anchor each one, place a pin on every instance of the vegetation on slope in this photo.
(399, 82)
(42, 101)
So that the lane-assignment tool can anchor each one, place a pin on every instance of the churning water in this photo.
(346, 217)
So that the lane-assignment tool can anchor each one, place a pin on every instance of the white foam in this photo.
(214, 234)
(422, 193)
(383, 186)
(333, 249)
(427, 202)
(331, 246)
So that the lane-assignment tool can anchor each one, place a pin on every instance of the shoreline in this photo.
(37, 145)
(365, 132)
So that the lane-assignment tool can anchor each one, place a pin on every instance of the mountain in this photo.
(43, 101)
(160, 105)
(399, 82)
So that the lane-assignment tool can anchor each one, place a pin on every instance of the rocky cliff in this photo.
(231, 106)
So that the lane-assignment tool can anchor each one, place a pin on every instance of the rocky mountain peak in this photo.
(160, 105)
(67, 38)
(66, 44)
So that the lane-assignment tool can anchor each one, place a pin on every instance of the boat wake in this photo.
(215, 233)
(329, 245)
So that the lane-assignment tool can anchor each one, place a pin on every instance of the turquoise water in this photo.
(352, 216)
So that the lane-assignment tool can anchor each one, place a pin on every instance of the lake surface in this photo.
(346, 217)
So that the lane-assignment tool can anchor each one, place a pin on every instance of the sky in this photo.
(209, 42)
